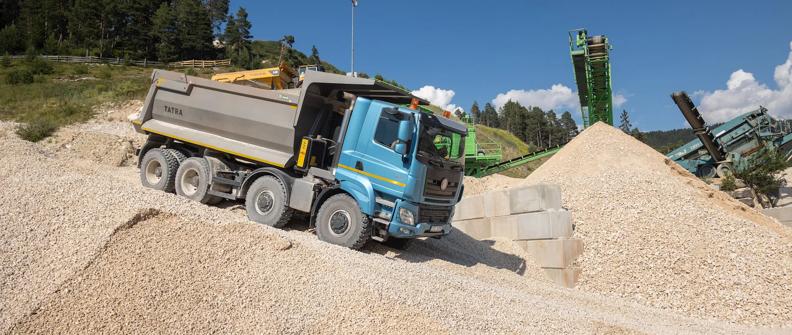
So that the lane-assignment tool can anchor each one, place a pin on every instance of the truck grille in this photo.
(434, 181)
(434, 214)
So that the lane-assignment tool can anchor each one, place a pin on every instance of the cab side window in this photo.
(387, 130)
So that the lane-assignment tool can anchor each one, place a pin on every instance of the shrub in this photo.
(728, 183)
(36, 130)
(105, 72)
(40, 66)
(80, 69)
(19, 77)
(190, 72)
(763, 173)
(6, 60)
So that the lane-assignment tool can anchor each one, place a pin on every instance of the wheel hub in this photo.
(340, 221)
(189, 182)
(153, 172)
(264, 202)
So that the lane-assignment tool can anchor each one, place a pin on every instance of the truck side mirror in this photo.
(405, 131)
(400, 148)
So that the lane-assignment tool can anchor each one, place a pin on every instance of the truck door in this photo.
(375, 156)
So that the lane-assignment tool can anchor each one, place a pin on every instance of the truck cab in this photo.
(404, 166)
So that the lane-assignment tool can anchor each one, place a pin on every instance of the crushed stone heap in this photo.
(657, 234)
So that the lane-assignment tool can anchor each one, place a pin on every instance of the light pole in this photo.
(354, 4)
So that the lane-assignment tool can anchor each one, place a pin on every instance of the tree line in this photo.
(532, 125)
(164, 30)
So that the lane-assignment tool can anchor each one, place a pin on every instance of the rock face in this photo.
(656, 233)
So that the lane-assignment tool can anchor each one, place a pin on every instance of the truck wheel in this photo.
(180, 157)
(158, 170)
(192, 179)
(399, 243)
(341, 222)
(266, 202)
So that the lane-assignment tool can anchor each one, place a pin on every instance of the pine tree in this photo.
(625, 124)
(164, 30)
(490, 116)
(475, 112)
(193, 28)
(569, 126)
(10, 40)
(218, 13)
(314, 59)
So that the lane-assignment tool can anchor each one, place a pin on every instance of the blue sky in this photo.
(480, 49)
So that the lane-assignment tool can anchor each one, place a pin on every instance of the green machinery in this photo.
(484, 158)
(591, 60)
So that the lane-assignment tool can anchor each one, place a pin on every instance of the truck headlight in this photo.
(406, 216)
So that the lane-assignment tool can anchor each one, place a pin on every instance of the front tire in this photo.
(266, 202)
(158, 169)
(340, 221)
(193, 180)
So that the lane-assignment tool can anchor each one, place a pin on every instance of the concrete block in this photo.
(469, 208)
(476, 228)
(747, 201)
(534, 198)
(741, 193)
(782, 214)
(564, 277)
(496, 203)
(558, 253)
(533, 226)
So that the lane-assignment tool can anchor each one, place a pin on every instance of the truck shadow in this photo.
(458, 248)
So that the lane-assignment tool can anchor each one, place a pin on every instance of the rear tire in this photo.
(340, 221)
(158, 170)
(193, 178)
(266, 202)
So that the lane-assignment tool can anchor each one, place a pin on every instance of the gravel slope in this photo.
(84, 248)
(659, 235)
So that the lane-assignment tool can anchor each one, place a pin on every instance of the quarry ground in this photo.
(84, 248)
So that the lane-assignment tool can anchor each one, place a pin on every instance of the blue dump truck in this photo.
(356, 156)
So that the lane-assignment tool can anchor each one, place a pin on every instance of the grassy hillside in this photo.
(512, 147)
(46, 95)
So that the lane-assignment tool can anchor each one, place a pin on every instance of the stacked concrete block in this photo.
(533, 217)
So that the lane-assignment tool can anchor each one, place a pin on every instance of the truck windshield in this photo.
(437, 142)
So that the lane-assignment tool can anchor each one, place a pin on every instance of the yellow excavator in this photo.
(274, 78)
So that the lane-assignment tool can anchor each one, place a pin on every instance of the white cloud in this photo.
(744, 94)
(619, 100)
(436, 96)
(557, 96)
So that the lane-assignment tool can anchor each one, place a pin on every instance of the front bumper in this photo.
(396, 228)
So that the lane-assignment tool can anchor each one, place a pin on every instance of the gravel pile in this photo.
(84, 248)
(657, 234)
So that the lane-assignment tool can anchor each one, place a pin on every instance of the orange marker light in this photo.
(414, 104)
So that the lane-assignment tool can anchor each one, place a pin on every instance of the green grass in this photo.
(62, 94)
(512, 147)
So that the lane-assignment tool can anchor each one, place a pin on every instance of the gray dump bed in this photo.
(252, 123)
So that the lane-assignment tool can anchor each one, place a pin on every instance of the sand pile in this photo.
(84, 248)
(657, 234)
